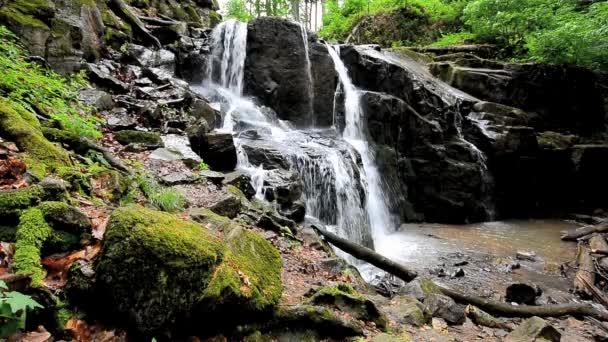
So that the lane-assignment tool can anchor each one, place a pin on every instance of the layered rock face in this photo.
(67, 33)
(277, 71)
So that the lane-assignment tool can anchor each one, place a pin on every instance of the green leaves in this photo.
(13, 308)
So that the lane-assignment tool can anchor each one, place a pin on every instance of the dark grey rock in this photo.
(98, 99)
(522, 293)
(241, 181)
(216, 149)
(445, 307)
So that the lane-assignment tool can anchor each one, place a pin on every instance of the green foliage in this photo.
(543, 30)
(454, 39)
(341, 17)
(202, 166)
(13, 308)
(41, 90)
(168, 200)
(237, 9)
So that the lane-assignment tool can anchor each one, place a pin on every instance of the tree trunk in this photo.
(367, 255)
(268, 5)
(125, 13)
(295, 10)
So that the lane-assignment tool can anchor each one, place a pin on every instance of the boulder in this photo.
(282, 186)
(148, 139)
(407, 310)
(215, 177)
(104, 79)
(276, 68)
(317, 318)
(534, 329)
(62, 216)
(154, 268)
(444, 307)
(231, 204)
(345, 298)
(324, 83)
(217, 150)
(522, 293)
(241, 181)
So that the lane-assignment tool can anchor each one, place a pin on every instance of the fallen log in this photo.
(598, 245)
(498, 308)
(575, 234)
(123, 11)
(586, 272)
(368, 255)
(508, 310)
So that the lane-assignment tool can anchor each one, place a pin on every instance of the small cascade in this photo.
(229, 49)
(308, 66)
(380, 218)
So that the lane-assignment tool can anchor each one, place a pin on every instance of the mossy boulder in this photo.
(408, 310)
(345, 298)
(556, 141)
(249, 279)
(21, 126)
(154, 267)
(316, 318)
(149, 139)
(13, 202)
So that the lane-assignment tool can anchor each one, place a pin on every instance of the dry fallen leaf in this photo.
(59, 266)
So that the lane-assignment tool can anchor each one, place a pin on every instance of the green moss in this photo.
(250, 276)
(11, 202)
(215, 18)
(236, 191)
(556, 141)
(258, 337)
(154, 266)
(148, 138)
(345, 298)
(32, 232)
(192, 13)
(60, 242)
(428, 287)
(21, 126)
(27, 13)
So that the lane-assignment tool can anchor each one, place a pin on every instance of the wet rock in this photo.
(346, 299)
(522, 293)
(158, 76)
(274, 222)
(98, 99)
(525, 255)
(168, 34)
(445, 307)
(414, 289)
(296, 211)
(201, 109)
(241, 181)
(459, 273)
(534, 329)
(324, 83)
(276, 68)
(215, 177)
(282, 186)
(104, 79)
(216, 149)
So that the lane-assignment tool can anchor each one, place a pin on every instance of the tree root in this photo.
(123, 11)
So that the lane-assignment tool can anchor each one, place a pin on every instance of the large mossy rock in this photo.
(154, 267)
(249, 279)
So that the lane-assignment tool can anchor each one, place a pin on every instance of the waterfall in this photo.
(380, 218)
(228, 52)
(308, 66)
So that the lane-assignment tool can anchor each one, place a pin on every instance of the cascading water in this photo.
(229, 42)
(334, 189)
(380, 218)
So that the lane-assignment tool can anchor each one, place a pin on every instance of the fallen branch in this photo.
(81, 145)
(368, 255)
(508, 310)
(586, 271)
(597, 294)
(573, 235)
(158, 22)
(123, 11)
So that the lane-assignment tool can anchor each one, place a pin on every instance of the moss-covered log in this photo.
(121, 8)
(32, 232)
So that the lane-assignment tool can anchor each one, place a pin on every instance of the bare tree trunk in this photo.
(268, 6)
(295, 10)
(573, 235)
